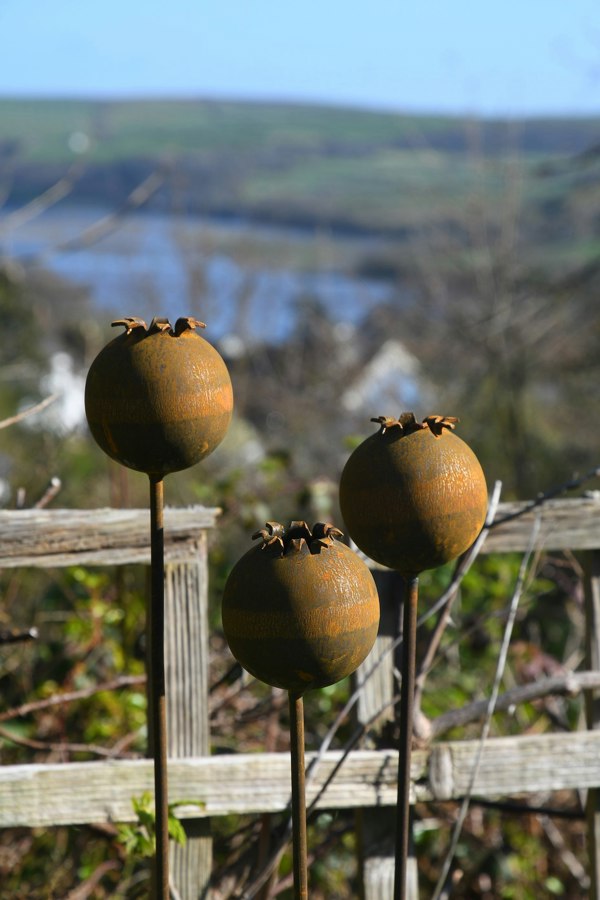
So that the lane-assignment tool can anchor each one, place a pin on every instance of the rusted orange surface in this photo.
(413, 495)
(301, 610)
(158, 399)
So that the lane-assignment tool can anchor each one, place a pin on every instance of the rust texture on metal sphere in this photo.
(300, 610)
(413, 495)
(158, 399)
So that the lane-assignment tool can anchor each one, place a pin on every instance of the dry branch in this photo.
(30, 411)
(69, 696)
(570, 684)
(109, 223)
(87, 887)
(58, 191)
(65, 747)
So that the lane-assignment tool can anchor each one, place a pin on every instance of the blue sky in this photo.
(518, 57)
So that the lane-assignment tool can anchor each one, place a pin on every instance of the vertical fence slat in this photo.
(186, 658)
(592, 709)
(376, 827)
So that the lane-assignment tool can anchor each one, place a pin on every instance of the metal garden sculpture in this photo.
(413, 497)
(158, 399)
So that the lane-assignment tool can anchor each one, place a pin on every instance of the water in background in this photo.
(157, 264)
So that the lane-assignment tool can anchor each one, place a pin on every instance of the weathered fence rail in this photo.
(65, 537)
(76, 793)
(100, 537)
(90, 792)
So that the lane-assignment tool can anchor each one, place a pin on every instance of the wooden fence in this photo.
(92, 792)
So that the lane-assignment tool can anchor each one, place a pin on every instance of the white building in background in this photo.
(390, 383)
(67, 412)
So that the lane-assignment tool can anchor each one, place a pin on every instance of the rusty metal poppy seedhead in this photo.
(413, 496)
(158, 399)
(300, 609)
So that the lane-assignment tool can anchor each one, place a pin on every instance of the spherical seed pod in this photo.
(301, 610)
(413, 495)
(158, 399)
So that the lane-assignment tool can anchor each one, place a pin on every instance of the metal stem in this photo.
(157, 717)
(405, 722)
(300, 843)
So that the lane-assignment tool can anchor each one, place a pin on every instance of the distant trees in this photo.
(505, 323)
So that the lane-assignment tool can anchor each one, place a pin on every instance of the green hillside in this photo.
(344, 168)
(126, 129)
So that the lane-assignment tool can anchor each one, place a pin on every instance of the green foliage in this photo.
(139, 839)
(19, 319)
(499, 855)
(90, 625)
(465, 665)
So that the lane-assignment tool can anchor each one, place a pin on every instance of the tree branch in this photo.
(106, 224)
(570, 684)
(87, 887)
(70, 696)
(63, 747)
(43, 201)
(30, 411)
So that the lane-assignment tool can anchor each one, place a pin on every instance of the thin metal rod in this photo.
(300, 843)
(156, 676)
(405, 722)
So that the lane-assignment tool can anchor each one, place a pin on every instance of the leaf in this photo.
(177, 831)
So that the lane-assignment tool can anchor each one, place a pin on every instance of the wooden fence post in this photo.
(592, 709)
(376, 826)
(186, 663)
